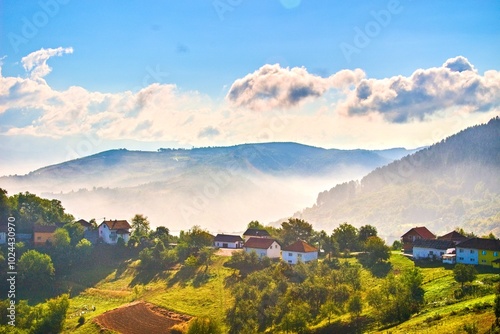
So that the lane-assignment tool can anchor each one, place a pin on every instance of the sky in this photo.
(81, 77)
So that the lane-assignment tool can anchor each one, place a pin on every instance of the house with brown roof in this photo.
(299, 251)
(112, 230)
(478, 251)
(453, 236)
(415, 233)
(431, 249)
(263, 247)
(255, 233)
(228, 241)
(85, 224)
(43, 233)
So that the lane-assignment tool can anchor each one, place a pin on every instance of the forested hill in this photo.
(453, 183)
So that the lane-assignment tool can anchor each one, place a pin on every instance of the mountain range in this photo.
(453, 183)
(220, 188)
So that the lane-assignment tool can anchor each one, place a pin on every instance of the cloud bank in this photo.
(345, 110)
(456, 84)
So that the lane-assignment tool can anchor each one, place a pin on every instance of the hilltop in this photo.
(453, 183)
(217, 187)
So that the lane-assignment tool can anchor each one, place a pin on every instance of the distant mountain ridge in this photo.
(217, 187)
(453, 183)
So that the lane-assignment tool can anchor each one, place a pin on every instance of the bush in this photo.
(204, 326)
(81, 320)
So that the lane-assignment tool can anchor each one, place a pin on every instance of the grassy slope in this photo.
(196, 292)
(189, 291)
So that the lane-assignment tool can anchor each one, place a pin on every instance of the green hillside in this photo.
(453, 183)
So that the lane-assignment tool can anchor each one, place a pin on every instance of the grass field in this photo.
(196, 292)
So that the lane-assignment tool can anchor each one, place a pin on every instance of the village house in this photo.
(431, 249)
(479, 251)
(42, 234)
(415, 233)
(453, 236)
(112, 230)
(255, 233)
(299, 251)
(263, 247)
(228, 241)
(85, 224)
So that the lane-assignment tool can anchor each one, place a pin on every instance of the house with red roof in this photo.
(415, 233)
(263, 247)
(299, 251)
(112, 230)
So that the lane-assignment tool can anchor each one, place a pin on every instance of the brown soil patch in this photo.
(140, 318)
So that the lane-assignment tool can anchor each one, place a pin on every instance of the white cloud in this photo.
(273, 86)
(456, 84)
(343, 110)
(36, 62)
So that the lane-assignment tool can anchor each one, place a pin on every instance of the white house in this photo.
(431, 249)
(467, 253)
(228, 241)
(299, 251)
(255, 233)
(112, 230)
(263, 247)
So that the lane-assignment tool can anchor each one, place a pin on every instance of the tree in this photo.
(497, 304)
(204, 326)
(61, 238)
(83, 249)
(295, 229)
(377, 250)
(162, 233)
(75, 232)
(365, 232)
(36, 270)
(52, 315)
(355, 306)
(464, 273)
(346, 236)
(140, 226)
(397, 245)
(197, 237)
(256, 224)
(328, 244)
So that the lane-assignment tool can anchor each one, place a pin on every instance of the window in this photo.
(290, 254)
(461, 258)
(461, 250)
(495, 254)
(38, 238)
(484, 252)
(471, 260)
(299, 255)
(483, 261)
(431, 252)
(472, 251)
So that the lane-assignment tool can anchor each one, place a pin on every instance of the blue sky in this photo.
(145, 74)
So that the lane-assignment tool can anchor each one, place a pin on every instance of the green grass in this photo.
(193, 291)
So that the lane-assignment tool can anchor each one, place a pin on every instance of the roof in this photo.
(117, 224)
(259, 243)
(227, 238)
(422, 231)
(44, 228)
(481, 243)
(454, 236)
(300, 246)
(255, 232)
(433, 243)
(496, 261)
(84, 223)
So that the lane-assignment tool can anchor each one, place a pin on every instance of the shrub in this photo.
(81, 320)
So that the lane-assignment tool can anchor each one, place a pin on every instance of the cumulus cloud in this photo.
(273, 86)
(456, 84)
(36, 62)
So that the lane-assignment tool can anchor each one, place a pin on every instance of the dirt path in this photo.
(140, 318)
